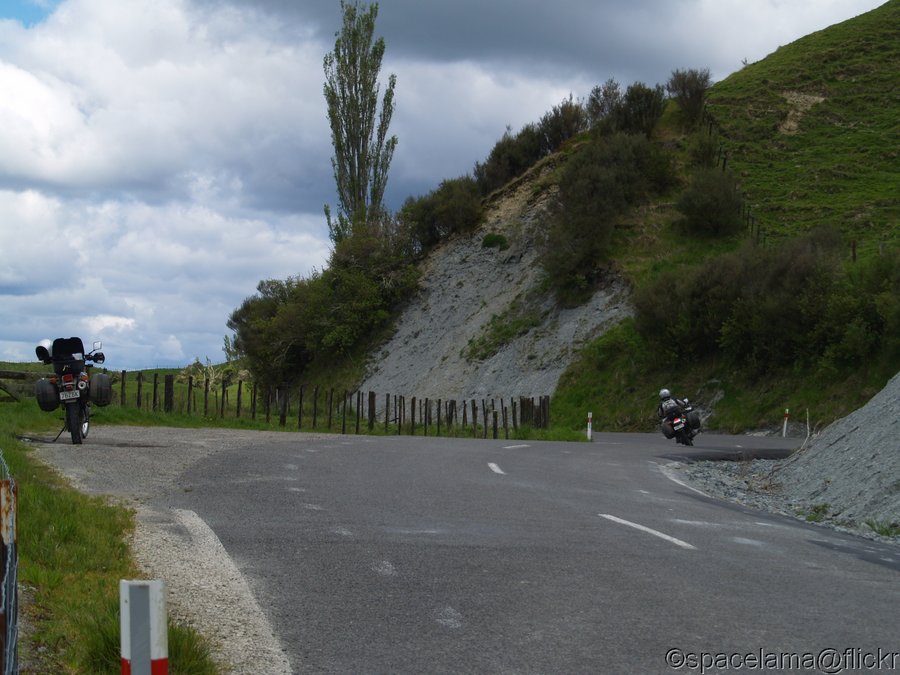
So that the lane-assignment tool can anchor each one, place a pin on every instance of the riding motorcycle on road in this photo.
(71, 385)
(679, 420)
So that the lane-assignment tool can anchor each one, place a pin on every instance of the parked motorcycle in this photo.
(71, 384)
(681, 423)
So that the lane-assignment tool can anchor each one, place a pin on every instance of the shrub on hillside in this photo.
(711, 204)
(640, 109)
(564, 121)
(797, 305)
(688, 88)
(602, 104)
(703, 149)
(455, 206)
(511, 156)
(598, 182)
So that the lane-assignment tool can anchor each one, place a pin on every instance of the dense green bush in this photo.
(597, 184)
(703, 149)
(511, 156)
(455, 206)
(798, 305)
(287, 324)
(688, 89)
(564, 121)
(640, 109)
(711, 204)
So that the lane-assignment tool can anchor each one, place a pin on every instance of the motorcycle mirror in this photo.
(98, 357)
(97, 345)
(43, 354)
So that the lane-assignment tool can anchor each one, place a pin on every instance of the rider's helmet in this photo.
(664, 394)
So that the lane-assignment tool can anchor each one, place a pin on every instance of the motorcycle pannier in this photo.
(46, 394)
(101, 389)
(667, 429)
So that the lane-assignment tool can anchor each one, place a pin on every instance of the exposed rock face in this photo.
(463, 286)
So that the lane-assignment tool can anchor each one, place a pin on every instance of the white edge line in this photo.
(668, 471)
(644, 528)
(496, 469)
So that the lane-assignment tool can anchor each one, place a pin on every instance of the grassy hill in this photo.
(813, 130)
(812, 133)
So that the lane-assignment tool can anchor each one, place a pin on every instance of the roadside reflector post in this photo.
(784, 428)
(590, 423)
(142, 620)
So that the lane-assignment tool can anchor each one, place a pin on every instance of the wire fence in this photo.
(9, 618)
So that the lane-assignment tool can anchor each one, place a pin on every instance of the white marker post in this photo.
(784, 428)
(142, 620)
(590, 424)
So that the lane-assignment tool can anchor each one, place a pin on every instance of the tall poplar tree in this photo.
(362, 148)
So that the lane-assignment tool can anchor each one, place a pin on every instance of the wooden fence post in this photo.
(169, 395)
(315, 404)
(387, 411)
(358, 409)
(222, 402)
(237, 412)
(284, 394)
(155, 392)
(122, 391)
(140, 382)
(190, 393)
(253, 402)
(344, 414)
(412, 426)
(300, 408)
(330, 406)
(371, 410)
(206, 396)
(495, 424)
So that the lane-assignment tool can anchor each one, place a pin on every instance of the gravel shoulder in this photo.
(847, 477)
(141, 467)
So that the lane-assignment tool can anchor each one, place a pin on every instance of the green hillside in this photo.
(813, 130)
(812, 134)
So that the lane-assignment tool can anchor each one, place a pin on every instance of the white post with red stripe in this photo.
(590, 425)
(142, 619)
(787, 413)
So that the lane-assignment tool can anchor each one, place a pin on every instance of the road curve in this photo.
(409, 555)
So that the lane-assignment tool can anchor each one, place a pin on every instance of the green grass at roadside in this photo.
(72, 552)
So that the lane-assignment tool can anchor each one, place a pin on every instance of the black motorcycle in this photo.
(71, 385)
(681, 422)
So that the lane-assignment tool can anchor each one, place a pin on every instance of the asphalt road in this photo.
(415, 555)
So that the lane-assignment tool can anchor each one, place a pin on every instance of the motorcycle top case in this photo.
(101, 389)
(46, 394)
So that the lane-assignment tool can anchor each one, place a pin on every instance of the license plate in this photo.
(68, 395)
(679, 426)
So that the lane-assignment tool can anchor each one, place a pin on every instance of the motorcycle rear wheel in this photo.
(77, 422)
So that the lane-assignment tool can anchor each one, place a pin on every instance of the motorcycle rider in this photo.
(669, 405)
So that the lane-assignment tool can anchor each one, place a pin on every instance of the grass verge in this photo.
(72, 553)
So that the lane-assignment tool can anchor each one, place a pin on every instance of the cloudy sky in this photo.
(159, 157)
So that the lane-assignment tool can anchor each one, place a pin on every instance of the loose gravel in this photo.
(847, 477)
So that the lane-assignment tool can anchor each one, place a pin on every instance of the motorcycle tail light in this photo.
(67, 378)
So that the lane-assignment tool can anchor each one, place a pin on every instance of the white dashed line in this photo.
(644, 528)
(496, 469)
(515, 447)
